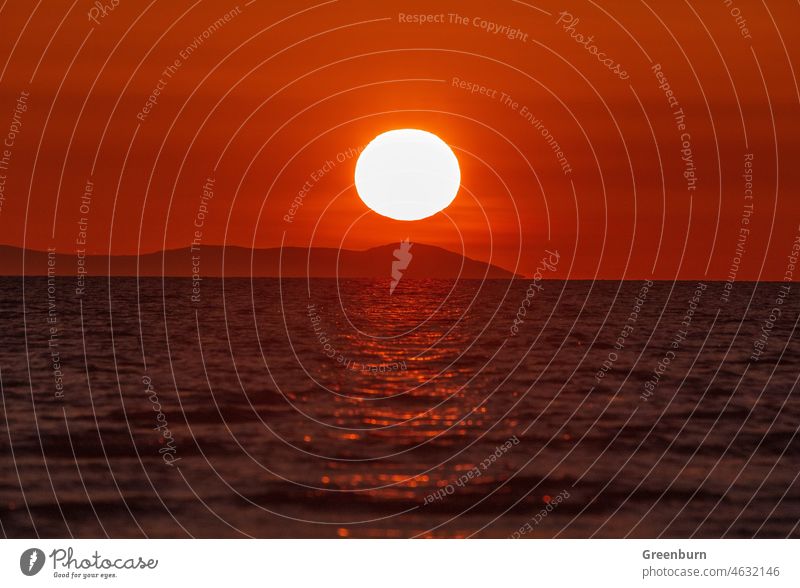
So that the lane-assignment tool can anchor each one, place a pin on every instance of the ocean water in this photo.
(295, 408)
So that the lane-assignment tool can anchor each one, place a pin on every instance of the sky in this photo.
(637, 139)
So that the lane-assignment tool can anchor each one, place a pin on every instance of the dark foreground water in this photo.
(133, 410)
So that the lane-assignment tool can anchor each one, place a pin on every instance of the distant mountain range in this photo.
(427, 261)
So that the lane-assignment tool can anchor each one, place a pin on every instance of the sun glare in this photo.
(407, 174)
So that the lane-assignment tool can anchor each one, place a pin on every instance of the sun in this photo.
(407, 174)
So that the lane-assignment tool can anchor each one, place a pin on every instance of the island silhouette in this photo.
(211, 261)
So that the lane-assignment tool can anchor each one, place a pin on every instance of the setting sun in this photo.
(407, 174)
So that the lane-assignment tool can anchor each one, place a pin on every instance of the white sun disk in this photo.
(407, 174)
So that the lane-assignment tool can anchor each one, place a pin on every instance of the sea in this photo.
(167, 407)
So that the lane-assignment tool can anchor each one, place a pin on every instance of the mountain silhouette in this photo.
(427, 261)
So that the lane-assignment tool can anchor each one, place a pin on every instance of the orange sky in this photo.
(266, 99)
